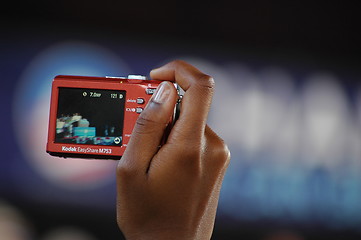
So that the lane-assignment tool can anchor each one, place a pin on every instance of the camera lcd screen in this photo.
(90, 116)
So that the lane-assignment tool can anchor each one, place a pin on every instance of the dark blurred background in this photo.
(288, 103)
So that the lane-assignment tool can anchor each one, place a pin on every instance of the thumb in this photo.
(150, 127)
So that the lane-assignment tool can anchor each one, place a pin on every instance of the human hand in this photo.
(172, 191)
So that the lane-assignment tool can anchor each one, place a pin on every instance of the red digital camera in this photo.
(93, 117)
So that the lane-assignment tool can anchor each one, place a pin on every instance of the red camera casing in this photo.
(136, 92)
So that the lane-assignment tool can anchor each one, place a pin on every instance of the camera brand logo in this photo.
(68, 149)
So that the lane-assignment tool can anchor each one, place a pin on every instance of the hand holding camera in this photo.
(168, 176)
(172, 191)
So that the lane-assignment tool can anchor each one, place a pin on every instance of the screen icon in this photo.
(117, 140)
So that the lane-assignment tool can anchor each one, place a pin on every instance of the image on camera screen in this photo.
(90, 116)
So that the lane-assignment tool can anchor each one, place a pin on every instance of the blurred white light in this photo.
(355, 140)
(31, 110)
(326, 120)
(238, 108)
(281, 115)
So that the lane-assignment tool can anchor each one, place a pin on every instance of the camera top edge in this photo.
(130, 78)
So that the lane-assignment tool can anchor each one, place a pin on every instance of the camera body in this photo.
(93, 117)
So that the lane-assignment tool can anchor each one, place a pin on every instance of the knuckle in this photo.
(144, 124)
(144, 120)
(219, 151)
(200, 78)
(221, 154)
(125, 170)
(206, 81)
(178, 62)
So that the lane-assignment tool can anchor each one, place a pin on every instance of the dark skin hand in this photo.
(172, 191)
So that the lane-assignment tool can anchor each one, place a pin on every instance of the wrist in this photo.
(163, 234)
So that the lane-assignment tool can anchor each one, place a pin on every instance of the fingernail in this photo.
(154, 70)
(162, 93)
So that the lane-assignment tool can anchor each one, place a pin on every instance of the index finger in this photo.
(196, 102)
